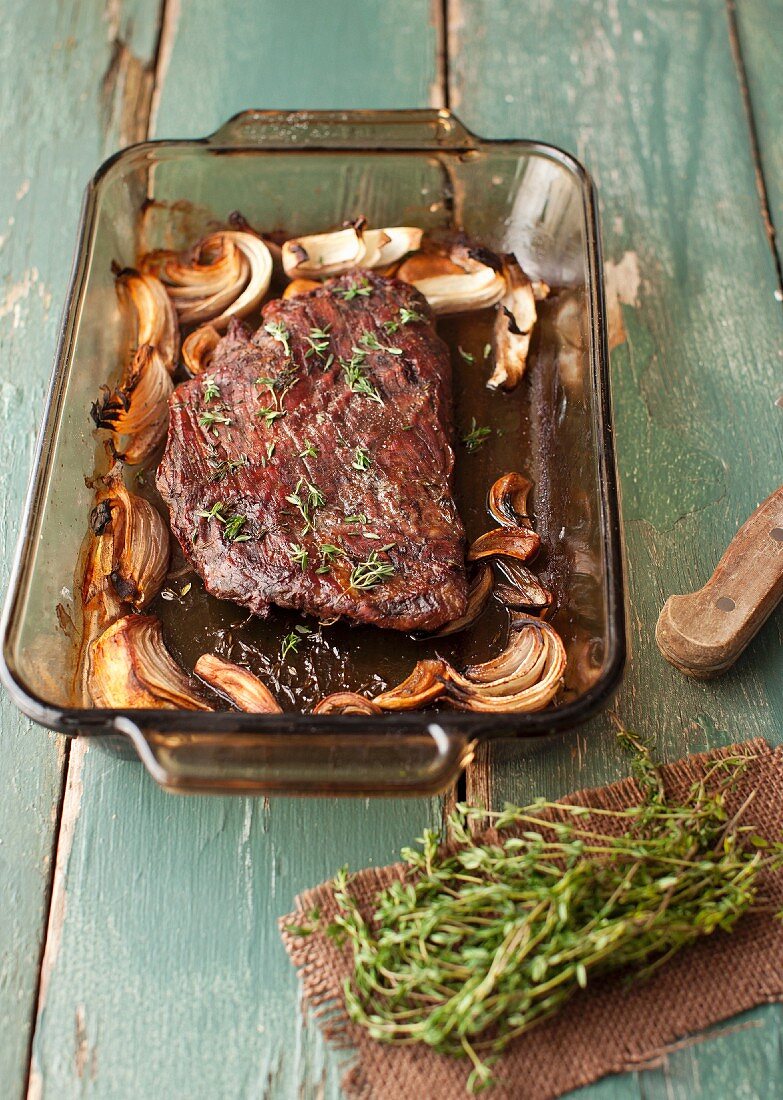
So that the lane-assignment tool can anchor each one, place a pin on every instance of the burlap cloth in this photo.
(612, 1026)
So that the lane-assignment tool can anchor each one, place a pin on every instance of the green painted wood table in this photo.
(139, 955)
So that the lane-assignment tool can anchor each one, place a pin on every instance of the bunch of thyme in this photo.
(484, 940)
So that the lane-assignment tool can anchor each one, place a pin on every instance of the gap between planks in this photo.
(140, 127)
(755, 149)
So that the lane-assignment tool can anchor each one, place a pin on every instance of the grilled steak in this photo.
(311, 467)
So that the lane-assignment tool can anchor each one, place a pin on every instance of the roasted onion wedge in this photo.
(514, 324)
(456, 280)
(525, 592)
(199, 347)
(346, 702)
(322, 255)
(136, 412)
(505, 542)
(241, 687)
(156, 319)
(507, 500)
(525, 677)
(138, 538)
(129, 666)
(225, 275)
(478, 594)
(425, 683)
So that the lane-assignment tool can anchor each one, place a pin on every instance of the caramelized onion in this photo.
(478, 594)
(136, 411)
(241, 687)
(322, 255)
(346, 702)
(199, 347)
(225, 275)
(156, 320)
(525, 591)
(507, 500)
(456, 280)
(508, 542)
(526, 676)
(425, 683)
(139, 541)
(514, 323)
(129, 666)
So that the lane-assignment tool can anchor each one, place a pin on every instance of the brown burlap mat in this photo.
(610, 1027)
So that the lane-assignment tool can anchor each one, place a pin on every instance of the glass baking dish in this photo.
(305, 171)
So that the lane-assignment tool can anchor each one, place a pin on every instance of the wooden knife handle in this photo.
(703, 633)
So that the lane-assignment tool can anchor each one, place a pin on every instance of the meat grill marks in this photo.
(312, 467)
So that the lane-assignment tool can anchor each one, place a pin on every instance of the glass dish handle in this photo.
(422, 128)
(325, 762)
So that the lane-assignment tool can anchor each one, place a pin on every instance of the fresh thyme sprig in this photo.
(361, 460)
(232, 525)
(269, 414)
(328, 552)
(484, 939)
(306, 497)
(292, 640)
(280, 333)
(476, 436)
(210, 418)
(370, 342)
(210, 388)
(372, 572)
(318, 340)
(299, 555)
(360, 289)
(355, 372)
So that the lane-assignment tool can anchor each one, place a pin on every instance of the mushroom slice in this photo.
(514, 323)
(322, 255)
(525, 593)
(156, 319)
(297, 287)
(225, 275)
(526, 676)
(507, 500)
(139, 538)
(345, 702)
(463, 279)
(241, 687)
(136, 411)
(425, 683)
(478, 594)
(199, 347)
(505, 542)
(129, 666)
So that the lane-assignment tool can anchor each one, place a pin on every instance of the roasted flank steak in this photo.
(311, 467)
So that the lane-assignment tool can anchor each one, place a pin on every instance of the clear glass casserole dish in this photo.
(305, 171)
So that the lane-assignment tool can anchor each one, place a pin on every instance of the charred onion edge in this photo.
(507, 500)
(136, 412)
(199, 347)
(230, 284)
(129, 666)
(239, 685)
(479, 592)
(346, 702)
(510, 542)
(425, 683)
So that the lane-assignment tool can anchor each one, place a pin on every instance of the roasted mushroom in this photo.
(346, 702)
(129, 666)
(225, 275)
(322, 255)
(514, 323)
(425, 683)
(508, 542)
(238, 685)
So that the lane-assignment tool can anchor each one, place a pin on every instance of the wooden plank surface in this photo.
(66, 74)
(164, 972)
(648, 95)
(760, 42)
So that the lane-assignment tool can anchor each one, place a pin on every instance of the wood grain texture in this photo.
(65, 71)
(760, 40)
(648, 96)
(164, 973)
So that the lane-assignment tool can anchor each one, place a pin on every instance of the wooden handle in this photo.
(703, 633)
